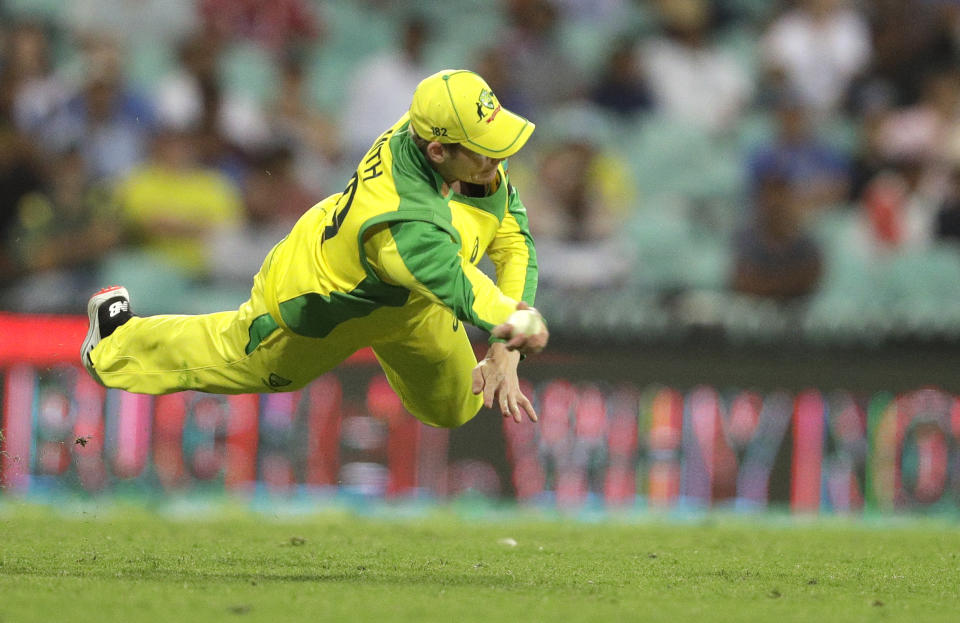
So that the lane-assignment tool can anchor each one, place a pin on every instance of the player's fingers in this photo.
(477, 386)
(490, 386)
(528, 407)
(534, 344)
(512, 407)
(517, 342)
(528, 349)
(502, 331)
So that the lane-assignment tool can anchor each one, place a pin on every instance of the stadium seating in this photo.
(690, 184)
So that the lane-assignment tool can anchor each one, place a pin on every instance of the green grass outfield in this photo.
(128, 565)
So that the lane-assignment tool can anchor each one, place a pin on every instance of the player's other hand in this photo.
(525, 344)
(496, 378)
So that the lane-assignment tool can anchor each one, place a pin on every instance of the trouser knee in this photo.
(447, 413)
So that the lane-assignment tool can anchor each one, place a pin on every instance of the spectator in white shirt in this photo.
(818, 48)
(379, 92)
(689, 75)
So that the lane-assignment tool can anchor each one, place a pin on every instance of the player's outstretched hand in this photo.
(496, 378)
(529, 339)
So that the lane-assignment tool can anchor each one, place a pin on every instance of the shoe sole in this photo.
(93, 333)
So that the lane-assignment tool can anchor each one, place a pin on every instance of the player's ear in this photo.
(436, 153)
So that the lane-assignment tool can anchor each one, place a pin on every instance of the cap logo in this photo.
(485, 101)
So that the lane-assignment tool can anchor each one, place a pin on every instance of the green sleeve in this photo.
(427, 260)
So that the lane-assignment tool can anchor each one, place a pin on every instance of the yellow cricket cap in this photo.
(458, 106)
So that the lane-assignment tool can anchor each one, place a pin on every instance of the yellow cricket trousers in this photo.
(426, 355)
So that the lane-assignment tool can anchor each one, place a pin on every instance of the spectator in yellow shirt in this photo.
(172, 204)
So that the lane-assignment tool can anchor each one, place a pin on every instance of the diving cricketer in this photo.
(389, 263)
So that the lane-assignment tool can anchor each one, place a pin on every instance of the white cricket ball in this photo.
(526, 321)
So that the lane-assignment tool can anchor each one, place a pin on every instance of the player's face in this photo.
(469, 166)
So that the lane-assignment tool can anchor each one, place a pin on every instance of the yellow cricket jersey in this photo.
(392, 233)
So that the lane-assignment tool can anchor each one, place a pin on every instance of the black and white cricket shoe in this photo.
(108, 309)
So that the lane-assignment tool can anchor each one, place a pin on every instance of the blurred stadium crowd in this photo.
(770, 169)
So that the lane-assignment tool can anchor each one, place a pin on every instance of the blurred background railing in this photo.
(682, 433)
